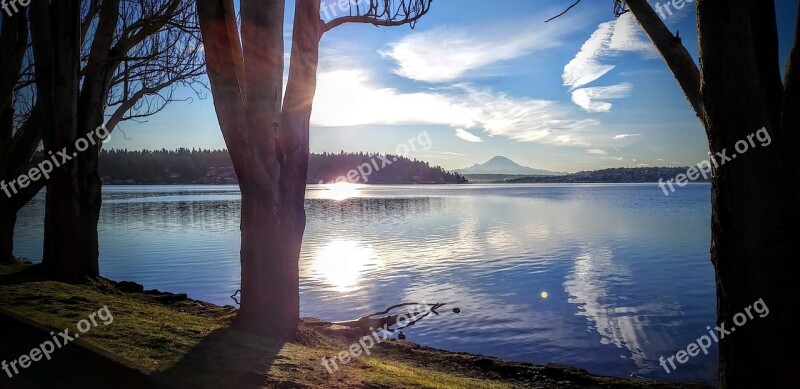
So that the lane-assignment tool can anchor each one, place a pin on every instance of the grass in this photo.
(191, 343)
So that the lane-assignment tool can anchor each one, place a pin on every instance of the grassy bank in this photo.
(190, 343)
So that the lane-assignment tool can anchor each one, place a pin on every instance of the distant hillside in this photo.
(184, 166)
(484, 178)
(505, 166)
(385, 169)
(616, 175)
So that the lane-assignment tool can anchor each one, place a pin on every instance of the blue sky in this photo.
(583, 92)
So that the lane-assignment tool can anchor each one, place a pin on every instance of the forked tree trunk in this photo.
(268, 144)
(271, 162)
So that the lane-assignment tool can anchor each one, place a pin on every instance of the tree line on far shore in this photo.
(200, 166)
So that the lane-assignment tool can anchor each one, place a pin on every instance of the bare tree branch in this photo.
(565, 11)
(619, 9)
(384, 13)
(675, 54)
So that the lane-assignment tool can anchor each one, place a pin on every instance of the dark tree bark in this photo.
(135, 51)
(737, 91)
(101, 62)
(13, 42)
(269, 141)
(56, 47)
(8, 219)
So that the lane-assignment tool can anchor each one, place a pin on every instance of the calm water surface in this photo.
(604, 277)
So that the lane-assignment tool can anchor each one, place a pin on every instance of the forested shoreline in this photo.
(214, 167)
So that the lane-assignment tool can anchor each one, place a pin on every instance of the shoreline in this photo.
(187, 332)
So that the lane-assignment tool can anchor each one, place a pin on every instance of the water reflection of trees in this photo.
(195, 215)
(372, 209)
(224, 214)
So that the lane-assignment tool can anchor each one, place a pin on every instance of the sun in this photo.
(341, 263)
(340, 191)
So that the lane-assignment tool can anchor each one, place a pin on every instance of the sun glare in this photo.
(341, 263)
(340, 191)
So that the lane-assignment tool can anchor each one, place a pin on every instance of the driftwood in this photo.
(371, 323)
(406, 319)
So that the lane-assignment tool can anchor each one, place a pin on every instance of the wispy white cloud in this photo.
(447, 54)
(597, 151)
(592, 99)
(610, 39)
(623, 136)
(348, 98)
(586, 66)
(467, 136)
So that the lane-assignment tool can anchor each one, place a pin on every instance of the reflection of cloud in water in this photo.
(590, 287)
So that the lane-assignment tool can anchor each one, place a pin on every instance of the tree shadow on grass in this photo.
(18, 273)
(227, 358)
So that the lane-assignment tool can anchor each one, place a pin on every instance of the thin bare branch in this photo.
(565, 11)
(384, 13)
(675, 54)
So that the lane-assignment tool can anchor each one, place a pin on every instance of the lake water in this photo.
(604, 277)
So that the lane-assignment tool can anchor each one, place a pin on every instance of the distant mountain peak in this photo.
(503, 165)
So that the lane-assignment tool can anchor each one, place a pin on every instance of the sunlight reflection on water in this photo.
(624, 268)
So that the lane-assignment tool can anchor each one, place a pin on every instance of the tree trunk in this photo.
(741, 93)
(56, 45)
(270, 267)
(272, 232)
(92, 104)
(9, 208)
(272, 163)
(8, 218)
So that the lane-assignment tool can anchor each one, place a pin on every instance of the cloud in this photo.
(447, 54)
(348, 98)
(623, 136)
(464, 135)
(590, 99)
(597, 152)
(610, 39)
(586, 67)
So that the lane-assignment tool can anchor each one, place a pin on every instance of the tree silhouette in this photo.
(736, 91)
(268, 136)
